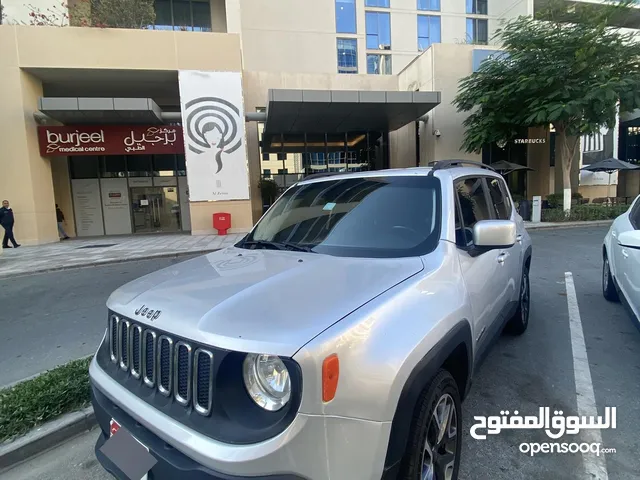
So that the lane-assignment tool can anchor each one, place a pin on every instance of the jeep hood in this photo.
(264, 301)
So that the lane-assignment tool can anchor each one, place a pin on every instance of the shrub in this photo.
(34, 402)
(583, 213)
(556, 200)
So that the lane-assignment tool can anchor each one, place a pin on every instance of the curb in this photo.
(559, 225)
(45, 437)
(111, 261)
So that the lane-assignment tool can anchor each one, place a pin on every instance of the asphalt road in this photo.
(51, 318)
(521, 373)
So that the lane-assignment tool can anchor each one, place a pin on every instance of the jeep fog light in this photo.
(267, 380)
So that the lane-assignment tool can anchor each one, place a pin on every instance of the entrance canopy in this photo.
(291, 114)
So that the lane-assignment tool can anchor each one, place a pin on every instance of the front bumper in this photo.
(313, 447)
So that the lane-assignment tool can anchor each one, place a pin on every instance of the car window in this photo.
(501, 203)
(634, 215)
(473, 207)
(391, 216)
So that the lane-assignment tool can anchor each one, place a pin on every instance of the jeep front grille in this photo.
(175, 369)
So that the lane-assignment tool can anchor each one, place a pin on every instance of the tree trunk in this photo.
(567, 151)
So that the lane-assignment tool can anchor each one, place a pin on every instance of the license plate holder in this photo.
(114, 426)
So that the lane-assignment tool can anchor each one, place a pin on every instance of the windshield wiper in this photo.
(277, 245)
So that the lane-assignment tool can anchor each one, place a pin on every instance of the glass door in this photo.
(155, 209)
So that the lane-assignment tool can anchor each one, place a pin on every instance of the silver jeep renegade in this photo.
(335, 341)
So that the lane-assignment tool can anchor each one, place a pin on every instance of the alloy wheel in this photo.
(525, 297)
(440, 448)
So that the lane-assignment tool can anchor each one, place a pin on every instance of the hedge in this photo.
(33, 402)
(580, 213)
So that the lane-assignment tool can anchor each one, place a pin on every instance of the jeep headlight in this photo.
(267, 380)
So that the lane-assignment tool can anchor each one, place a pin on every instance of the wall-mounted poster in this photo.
(87, 208)
(214, 135)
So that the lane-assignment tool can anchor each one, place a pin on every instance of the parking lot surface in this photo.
(521, 373)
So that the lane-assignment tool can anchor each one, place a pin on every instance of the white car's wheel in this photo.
(608, 286)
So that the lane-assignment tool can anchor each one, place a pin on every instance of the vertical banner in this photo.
(214, 135)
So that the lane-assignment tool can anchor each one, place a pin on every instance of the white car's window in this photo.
(501, 204)
(473, 206)
(634, 215)
(368, 216)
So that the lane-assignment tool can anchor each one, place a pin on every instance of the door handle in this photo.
(501, 258)
(614, 234)
(519, 238)
(625, 254)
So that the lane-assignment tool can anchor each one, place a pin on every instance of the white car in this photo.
(621, 260)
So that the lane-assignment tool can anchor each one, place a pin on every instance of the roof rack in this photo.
(320, 175)
(442, 164)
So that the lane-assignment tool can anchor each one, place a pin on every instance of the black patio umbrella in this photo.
(504, 167)
(610, 165)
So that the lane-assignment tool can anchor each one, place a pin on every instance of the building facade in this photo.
(332, 85)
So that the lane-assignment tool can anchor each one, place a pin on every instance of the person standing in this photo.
(7, 221)
(60, 219)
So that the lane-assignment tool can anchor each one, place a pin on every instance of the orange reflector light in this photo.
(330, 375)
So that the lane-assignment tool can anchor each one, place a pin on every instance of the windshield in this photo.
(392, 216)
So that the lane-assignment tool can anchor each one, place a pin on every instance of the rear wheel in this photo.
(435, 440)
(518, 324)
(608, 286)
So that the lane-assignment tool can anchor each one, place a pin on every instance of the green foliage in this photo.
(556, 200)
(135, 14)
(583, 213)
(562, 68)
(269, 191)
(34, 402)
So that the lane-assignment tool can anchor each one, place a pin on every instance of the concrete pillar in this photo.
(538, 158)
(26, 179)
(402, 147)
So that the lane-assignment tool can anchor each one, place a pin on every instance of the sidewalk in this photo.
(103, 250)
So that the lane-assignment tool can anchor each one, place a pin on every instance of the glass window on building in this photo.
(139, 165)
(347, 55)
(113, 166)
(266, 173)
(187, 15)
(428, 31)
(346, 16)
(378, 64)
(377, 3)
(164, 165)
(477, 7)
(431, 5)
(378, 25)
(477, 31)
(84, 166)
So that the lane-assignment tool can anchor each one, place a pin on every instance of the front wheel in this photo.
(518, 324)
(435, 440)
(608, 286)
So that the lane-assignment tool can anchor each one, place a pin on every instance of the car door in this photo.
(484, 274)
(627, 259)
(503, 209)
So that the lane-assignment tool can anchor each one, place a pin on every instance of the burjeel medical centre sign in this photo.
(110, 140)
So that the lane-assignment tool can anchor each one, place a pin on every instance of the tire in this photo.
(518, 324)
(445, 445)
(608, 284)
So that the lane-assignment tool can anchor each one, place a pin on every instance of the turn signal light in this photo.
(330, 375)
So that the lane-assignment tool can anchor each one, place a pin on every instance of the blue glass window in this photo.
(378, 26)
(347, 55)
(432, 5)
(428, 31)
(377, 3)
(477, 31)
(346, 16)
(378, 64)
(477, 7)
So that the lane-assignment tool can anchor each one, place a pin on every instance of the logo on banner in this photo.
(213, 126)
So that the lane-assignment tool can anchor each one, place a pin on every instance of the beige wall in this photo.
(34, 184)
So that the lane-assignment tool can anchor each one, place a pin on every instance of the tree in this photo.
(563, 68)
(123, 13)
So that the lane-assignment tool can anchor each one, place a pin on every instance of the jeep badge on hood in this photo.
(145, 311)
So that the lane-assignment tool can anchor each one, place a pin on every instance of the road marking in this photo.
(595, 466)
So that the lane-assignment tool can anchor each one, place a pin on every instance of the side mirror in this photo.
(490, 234)
(630, 239)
